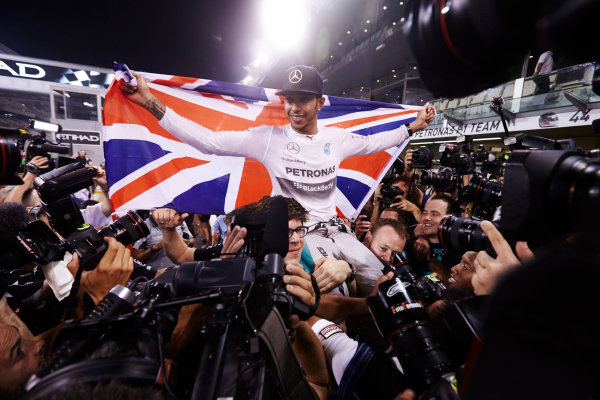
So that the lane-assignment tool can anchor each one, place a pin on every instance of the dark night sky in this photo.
(207, 39)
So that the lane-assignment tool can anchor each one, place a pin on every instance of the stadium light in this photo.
(284, 22)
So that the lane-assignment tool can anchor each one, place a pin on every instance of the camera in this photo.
(493, 169)
(401, 318)
(462, 233)
(485, 195)
(37, 243)
(445, 180)
(481, 154)
(388, 194)
(428, 287)
(421, 158)
(237, 351)
(19, 144)
(463, 164)
(463, 48)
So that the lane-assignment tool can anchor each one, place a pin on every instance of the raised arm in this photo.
(251, 143)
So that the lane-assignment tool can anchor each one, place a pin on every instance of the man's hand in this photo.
(114, 268)
(361, 225)
(488, 269)
(142, 96)
(405, 205)
(421, 248)
(39, 162)
(330, 273)
(381, 279)
(100, 179)
(424, 118)
(298, 283)
(167, 218)
(233, 242)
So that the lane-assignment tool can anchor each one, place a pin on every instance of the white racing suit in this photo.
(303, 167)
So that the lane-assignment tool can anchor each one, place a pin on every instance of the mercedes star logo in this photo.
(293, 147)
(295, 76)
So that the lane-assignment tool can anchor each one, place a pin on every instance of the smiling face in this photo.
(296, 243)
(462, 273)
(19, 358)
(302, 110)
(434, 211)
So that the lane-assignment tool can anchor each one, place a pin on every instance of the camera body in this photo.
(445, 180)
(388, 194)
(463, 164)
(481, 154)
(421, 158)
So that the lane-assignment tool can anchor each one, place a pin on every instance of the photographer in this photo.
(410, 212)
(440, 258)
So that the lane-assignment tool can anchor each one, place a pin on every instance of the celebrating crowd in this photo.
(337, 268)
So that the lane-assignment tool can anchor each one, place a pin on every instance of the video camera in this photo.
(244, 338)
(20, 146)
(38, 243)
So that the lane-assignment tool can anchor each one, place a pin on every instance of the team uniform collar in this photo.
(301, 136)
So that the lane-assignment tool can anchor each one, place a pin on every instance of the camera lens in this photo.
(128, 229)
(481, 190)
(401, 317)
(462, 233)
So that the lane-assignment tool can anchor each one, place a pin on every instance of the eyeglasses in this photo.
(301, 231)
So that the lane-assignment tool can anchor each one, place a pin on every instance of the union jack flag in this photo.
(147, 167)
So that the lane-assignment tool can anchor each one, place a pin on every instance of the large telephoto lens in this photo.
(482, 190)
(401, 318)
(128, 229)
(462, 234)
(555, 183)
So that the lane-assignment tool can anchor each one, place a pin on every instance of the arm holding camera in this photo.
(489, 270)
(406, 205)
(16, 195)
(376, 204)
(100, 180)
(114, 268)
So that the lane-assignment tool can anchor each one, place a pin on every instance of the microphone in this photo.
(275, 239)
(13, 218)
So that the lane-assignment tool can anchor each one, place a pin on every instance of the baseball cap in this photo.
(302, 78)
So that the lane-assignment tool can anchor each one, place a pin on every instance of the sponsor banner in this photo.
(51, 73)
(76, 137)
(545, 120)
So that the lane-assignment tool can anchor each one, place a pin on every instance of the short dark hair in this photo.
(245, 209)
(452, 206)
(295, 209)
(392, 209)
(397, 226)
(401, 178)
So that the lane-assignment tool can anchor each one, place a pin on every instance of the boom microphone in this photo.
(275, 239)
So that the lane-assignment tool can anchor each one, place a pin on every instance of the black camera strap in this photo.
(291, 376)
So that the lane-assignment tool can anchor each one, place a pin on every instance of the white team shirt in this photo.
(303, 167)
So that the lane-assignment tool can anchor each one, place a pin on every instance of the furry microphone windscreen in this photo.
(13, 218)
